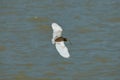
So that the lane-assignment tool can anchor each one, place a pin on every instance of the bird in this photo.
(58, 40)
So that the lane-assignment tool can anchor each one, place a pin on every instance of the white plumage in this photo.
(57, 32)
(60, 46)
(62, 49)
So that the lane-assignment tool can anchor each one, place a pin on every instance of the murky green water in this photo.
(26, 52)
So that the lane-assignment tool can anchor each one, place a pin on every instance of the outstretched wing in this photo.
(62, 49)
(57, 31)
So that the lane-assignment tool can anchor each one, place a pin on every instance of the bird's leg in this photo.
(70, 42)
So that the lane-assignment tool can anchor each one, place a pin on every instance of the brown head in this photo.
(59, 39)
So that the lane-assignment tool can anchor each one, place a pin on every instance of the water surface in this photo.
(26, 52)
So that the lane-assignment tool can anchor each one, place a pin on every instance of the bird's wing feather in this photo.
(56, 27)
(62, 49)
(57, 31)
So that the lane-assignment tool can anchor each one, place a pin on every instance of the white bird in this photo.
(58, 40)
